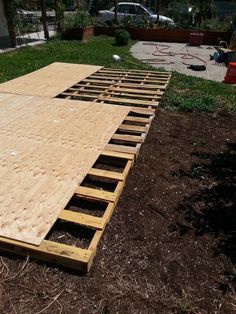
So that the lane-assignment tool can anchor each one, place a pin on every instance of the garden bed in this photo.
(170, 247)
(166, 35)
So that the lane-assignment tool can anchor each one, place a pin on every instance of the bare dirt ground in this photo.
(170, 245)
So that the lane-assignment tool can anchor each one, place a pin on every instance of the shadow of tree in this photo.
(212, 209)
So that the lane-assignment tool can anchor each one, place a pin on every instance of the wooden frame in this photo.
(141, 89)
(79, 258)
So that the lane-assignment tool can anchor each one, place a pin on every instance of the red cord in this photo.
(185, 56)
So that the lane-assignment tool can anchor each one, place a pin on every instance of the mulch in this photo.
(170, 245)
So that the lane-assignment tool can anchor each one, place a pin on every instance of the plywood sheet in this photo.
(50, 80)
(47, 146)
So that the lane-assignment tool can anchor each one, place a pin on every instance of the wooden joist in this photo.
(133, 128)
(136, 91)
(82, 219)
(106, 174)
(127, 138)
(132, 102)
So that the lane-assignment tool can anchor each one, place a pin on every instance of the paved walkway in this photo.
(172, 58)
(31, 39)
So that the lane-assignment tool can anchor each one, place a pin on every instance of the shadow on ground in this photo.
(211, 210)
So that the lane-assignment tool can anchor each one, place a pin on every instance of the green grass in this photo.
(184, 93)
(98, 51)
(187, 93)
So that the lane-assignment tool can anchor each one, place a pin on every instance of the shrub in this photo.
(79, 19)
(121, 37)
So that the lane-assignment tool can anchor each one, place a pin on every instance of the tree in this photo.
(10, 8)
(59, 15)
(44, 18)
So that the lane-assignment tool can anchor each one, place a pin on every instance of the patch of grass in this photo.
(185, 93)
(97, 51)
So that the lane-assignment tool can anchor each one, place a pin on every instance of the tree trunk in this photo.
(59, 14)
(10, 21)
(44, 18)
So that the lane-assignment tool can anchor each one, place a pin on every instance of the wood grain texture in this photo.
(50, 80)
(47, 146)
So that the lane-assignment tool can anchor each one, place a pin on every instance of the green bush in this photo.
(79, 19)
(121, 37)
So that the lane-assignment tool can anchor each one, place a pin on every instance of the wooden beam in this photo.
(95, 194)
(117, 154)
(106, 174)
(82, 219)
(50, 251)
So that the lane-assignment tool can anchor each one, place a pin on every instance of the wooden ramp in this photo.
(72, 240)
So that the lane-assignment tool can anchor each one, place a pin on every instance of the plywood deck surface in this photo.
(50, 80)
(47, 146)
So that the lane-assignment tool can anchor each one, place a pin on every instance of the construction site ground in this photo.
(170, 246)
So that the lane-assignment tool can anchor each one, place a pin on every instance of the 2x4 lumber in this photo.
(148, 76)
(143, 86)
(128, 78)
(95, 194)
(136, 91)
(133, 71)
(93, 86)
(134, 96)
(145, 111)
(73, 92)
(106, 174)
(127, 138)
(78, 95)
(94, 243)
(137, 119)
(119, 187)
(138, 76)
(83, 89)
(148, 80)
(128, 166)
(99, 81)
(117, 154)
(49, 251)
(82, 219)
(106, 77)
(134, 128)
(129, 101)
(122, 148)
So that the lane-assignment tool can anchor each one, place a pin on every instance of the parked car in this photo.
(26, 16)
(135, 11)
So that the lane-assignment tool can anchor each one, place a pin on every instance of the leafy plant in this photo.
(122, 37)
(79, 19)
(27, 26)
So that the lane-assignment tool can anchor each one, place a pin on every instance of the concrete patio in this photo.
(177, 57)
(31, 39)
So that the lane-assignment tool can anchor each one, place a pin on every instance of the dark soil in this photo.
(171, 244)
